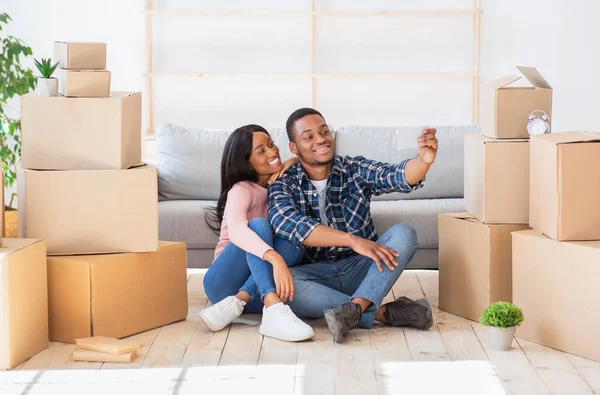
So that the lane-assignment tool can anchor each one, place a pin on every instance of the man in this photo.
(322, 203)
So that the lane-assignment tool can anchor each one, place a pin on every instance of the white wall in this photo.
(547, 34)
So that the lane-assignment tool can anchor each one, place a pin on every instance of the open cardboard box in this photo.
(505, 109)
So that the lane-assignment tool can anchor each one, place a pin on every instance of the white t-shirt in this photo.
(322, 190)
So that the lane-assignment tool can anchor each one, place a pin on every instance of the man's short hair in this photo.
(296, 115)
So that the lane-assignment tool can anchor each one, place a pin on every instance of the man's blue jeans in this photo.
(326, 285)
(236, 270)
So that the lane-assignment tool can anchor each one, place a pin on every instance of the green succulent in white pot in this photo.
(47, 85)
(501, 319)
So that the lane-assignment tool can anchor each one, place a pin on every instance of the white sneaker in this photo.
(221, 314)
(281, 323)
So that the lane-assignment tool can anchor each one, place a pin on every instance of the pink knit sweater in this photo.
(245, 201)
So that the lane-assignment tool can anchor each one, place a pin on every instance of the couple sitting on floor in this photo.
(297, 238)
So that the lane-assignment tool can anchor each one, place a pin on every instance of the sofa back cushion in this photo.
(189, 160)
(445, 178)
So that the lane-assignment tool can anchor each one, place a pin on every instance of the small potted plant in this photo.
(502, 319)
(47, 85)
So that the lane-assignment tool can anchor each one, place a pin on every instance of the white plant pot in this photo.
(47, 86)
(502, 337)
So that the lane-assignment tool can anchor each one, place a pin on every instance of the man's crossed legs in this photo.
(330, 288)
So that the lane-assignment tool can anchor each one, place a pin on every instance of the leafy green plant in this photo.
(502, 315)
(45, 67)
(15, 80)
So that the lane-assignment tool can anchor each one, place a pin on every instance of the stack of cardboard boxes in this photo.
(549, 183)
(475, 259)
(85, 191)
(556, 266)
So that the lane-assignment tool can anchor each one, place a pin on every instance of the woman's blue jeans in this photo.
(236, 270)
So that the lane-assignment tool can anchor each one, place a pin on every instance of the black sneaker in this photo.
(409, 313)
(342, 319)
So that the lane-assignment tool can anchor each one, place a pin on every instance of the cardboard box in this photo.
(497, 179)
(556, 285)
(475, 264)
(565, 185)
(84, 83)
(90, 211)
(23, 301)
(80, 55)
(505, 109)
(116, 295)
(60, 133)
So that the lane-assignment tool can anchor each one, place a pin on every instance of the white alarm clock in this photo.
(539, 123)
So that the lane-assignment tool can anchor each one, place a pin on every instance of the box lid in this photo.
(10, 245)
(568, 137)
(530, 73)
(534, 77)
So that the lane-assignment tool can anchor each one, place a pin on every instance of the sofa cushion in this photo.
(189, 161)
(183, 220)
(420, 214)
(445, 178)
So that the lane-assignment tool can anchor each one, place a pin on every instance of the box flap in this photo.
(503, 81)
(534, 77)
(464, 215)
(568, 137)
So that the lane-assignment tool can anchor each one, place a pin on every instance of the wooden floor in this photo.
(454, 357)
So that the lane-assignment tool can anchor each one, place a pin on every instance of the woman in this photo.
(249, 261)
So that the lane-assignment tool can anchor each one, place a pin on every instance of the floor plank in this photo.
(205, 347)
(457, 333)
(588, 369)
(429, 281)
(164, 356)
(388, 345)
(555, 369)
(242, 346)
(54, 357)
(407, 284)
(517, 374)
(315, 372)
(354, 369)
(278, 352)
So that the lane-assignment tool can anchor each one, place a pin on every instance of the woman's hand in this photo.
(286, 165)
(284, 282)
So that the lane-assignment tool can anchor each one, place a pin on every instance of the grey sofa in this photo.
(188, 165)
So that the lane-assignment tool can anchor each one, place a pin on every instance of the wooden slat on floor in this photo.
(588, 369)
(429, 281)
(557, 372)
(315, 370)
(354, 370)
(513, 367)
(242, 347)
(457, 333)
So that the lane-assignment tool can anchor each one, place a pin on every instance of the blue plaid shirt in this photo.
(294, 202)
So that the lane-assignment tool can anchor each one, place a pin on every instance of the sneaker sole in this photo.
(334, 327)
(206, 322)
(285, 338)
